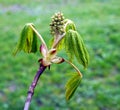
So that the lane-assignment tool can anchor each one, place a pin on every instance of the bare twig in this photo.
(32, 87)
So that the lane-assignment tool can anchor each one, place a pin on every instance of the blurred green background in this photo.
(98, 21)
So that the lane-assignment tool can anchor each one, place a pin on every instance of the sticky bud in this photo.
(52, 51)
(57, 60)
(43, 50)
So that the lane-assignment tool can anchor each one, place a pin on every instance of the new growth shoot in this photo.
(66, 37)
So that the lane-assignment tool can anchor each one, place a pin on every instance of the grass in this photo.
(98, 21)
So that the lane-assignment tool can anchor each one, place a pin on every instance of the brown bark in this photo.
(32, 87)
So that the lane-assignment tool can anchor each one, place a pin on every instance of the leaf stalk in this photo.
(58, 38)
(78, 71)
(40, 37)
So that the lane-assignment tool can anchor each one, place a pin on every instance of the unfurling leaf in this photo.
(69, 46)
(72, 85)
(27, 41)
(74, 46)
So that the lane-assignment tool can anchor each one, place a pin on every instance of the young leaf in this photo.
(27, 41)
(75, 47)
(72, 85)
(80, 50)
(34, 43)
(69, 45)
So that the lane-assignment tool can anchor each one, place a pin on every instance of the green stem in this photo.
(57, 39)
(78, 71)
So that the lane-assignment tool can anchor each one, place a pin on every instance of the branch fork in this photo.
(60, 29)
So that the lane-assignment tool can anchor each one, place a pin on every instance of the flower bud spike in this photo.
(57, 21)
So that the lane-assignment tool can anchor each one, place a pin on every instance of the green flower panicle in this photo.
(57, 24)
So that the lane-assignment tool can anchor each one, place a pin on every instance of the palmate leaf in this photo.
(74, 45)
(72, 85)
(27, 41)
